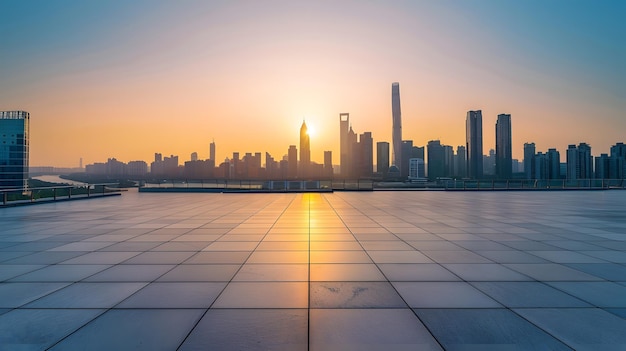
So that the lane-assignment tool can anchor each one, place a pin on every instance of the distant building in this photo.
(137, 169)
(292, 161)
(554, 164)
(602, 166)
(460, 162)
(366, 153)
(504, 156)
(194, 156)
(416, 169)
(617, 162)
(405, 152)
(579, 162)
(382, 158)
(212, 151)
(474, 144)
(396, 136)
(436, 160)
(344, 145)
(14, 149)
(529, 163)
(328, 164)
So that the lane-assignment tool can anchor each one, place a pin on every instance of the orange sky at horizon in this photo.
(244, 74)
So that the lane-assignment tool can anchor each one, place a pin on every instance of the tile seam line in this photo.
(383, 274)
(240, 267)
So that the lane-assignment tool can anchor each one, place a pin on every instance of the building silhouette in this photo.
(396, 116)
(435, 160)
(405, 153)
(212, 151)
(617, 161)
(460, 162)
(14, 149)
(366, 155)
(504, 156)
(382, 158)
(305, 151)
(344, 144)
(579, 162)
(529, 160)
(328, 164)
(292, 162)
(474, 144)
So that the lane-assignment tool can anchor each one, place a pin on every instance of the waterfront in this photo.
(370, 270)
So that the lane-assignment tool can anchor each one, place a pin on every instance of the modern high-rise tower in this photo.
(14, 149)
(344, 144)
(212, 151)
(397, 126)
(305, 151)
(474, 144)
(504, 157)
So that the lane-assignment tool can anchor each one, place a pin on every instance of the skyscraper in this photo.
(328, 164)
(579, 162)
(474, 144)
(397, 126)
(292, 162)
(14, 149)
(436, 160)
(366, 153)
(460, 162)
(529, 160)
(382, 157)
(504, 157)
(344, 145)
(305, 151)
(212, 151)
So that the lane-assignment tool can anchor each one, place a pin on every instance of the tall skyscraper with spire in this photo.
(504, 158)
(305, 151)
(474, 144)
(397, 125)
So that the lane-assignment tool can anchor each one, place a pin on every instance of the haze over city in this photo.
(126, 80)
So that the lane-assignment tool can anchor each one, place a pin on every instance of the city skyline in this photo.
(99, 84)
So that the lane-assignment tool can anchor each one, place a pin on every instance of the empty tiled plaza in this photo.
(382, 270)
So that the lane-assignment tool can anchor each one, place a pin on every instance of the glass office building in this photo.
(14, 126)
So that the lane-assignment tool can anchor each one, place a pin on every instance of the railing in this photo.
(535, 184)
(55, 193)
(225, 185)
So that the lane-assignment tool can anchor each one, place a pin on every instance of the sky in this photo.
(126, 79)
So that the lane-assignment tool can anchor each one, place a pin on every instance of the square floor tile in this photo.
(402, 272)
(264, 295)
(443, 295)
(13, 295)
(131, 273)
(34, 329)
(174, 295)
(354, 295)
(486, 329)
(528, 294)
(368, 329)
(345, 272)
(580, 328)
(201, 273)
(250, 329)
(88, 295)
(273, 272)
(485, 272)
(145, 329)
